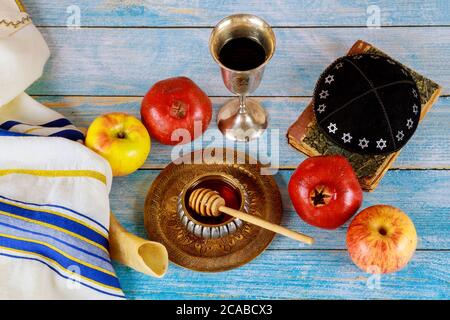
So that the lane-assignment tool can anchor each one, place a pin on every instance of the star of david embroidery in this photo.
(363, 143)
(324, 94)
(329, 79)
(346, 137)
(381, 144)
(339, 65)
(409, 123)
(332, 128)
(321, 108)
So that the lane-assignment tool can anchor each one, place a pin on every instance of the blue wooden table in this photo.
(108, 58)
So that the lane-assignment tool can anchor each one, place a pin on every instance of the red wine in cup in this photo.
(242, 54)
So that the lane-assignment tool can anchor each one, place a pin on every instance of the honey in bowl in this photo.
(229, 193)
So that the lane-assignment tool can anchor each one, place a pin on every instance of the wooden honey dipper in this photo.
(209, 203)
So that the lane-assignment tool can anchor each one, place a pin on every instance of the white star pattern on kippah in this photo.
(321, 108)
(414, 92)
(357, 57)
(375, 57)
(404, 72)
(381, 144)
(415, 109)
(363, 143)
(329, 79)
(332, 128)
(390, 61)
(339, 65)
(346, 137)
(324, 94)
(409, 123)
(400, 135)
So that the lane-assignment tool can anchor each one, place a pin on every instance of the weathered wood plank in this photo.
(422, 194)
(117, 62)
(297, 275)
(207, 13)
(433, 135)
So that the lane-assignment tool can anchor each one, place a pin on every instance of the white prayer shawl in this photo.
(23, 54)
(54, 206)
(54, 220)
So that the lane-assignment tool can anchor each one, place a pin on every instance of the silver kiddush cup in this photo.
(242, 119)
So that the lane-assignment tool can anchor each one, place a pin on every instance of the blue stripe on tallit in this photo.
(5, 133)
(60, 274)
(58, 221)
(69, 134)
(64, 242)
(58, 123)
(9, 124)
(58, 207)
(64, 262)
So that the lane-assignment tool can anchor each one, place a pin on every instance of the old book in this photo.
(305, 135)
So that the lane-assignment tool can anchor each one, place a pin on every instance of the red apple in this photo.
(381, 239)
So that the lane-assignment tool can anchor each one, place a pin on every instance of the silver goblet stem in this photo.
(242, 108)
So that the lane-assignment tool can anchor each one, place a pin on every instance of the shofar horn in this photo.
(145, 256)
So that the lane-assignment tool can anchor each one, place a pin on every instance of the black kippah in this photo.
(367, 104)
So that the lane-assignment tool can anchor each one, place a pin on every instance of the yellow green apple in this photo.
(121, 139)
(381, 239)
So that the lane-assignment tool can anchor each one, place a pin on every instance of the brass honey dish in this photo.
(163, 222)
(211, 227)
